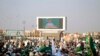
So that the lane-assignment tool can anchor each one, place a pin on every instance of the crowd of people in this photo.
(49, 47)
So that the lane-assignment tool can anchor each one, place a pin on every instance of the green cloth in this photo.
(87, 39)
(44, 49)
(25, 52)
(78, 49)
(92, 46)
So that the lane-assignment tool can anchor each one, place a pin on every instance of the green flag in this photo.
(44, 49)
(92, 46)
(87, 39)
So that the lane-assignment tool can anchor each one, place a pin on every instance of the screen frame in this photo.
(49, 18)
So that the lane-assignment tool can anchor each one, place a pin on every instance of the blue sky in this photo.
(82, 15)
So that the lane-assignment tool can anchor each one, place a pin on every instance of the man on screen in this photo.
(50, 25)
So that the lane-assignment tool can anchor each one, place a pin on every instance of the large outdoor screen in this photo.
(51, 23)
